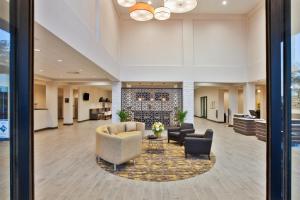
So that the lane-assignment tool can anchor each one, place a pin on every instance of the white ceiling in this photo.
(74, 66)
(208, 6)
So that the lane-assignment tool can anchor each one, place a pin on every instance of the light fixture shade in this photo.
(162, 13)
(180, 6)
(141, 12)
(126, 3)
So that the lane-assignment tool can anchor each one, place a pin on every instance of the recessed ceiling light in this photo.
(59, 60)
(150, 2)
(224, 3)
(41, 70)
(37, 50)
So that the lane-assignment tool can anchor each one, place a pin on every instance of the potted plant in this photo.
(181, 115)
(123, 116)
(158, 128)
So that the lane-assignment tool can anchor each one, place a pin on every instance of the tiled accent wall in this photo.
(154, 104)
(188, 100)
(116, 100)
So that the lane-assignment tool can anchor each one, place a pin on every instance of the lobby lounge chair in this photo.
(198, 144)
(178, 133)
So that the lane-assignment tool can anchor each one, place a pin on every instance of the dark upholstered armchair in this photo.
(178, 133)
(199, 144)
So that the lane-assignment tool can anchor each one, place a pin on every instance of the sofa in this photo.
(178, 133)
(199, 144)
(119, 143)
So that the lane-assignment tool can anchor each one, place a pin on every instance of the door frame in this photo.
(278, 18)
(21, 26)
(201, 111)
(21, 96)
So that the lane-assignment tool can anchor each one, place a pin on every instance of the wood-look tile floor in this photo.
(65, 168)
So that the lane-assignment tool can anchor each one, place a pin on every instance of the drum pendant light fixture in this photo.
(180, 6)
(141, 12)
(126, 3)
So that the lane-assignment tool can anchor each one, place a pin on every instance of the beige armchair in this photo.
(119, 143)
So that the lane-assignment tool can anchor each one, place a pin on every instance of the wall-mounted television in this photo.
(86, 96)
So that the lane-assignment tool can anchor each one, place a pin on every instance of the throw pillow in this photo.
(105, 130)
(116, 128)
(130, 126)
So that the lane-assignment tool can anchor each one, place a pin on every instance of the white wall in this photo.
(191, 49)
(295, 16)
(45, 95)
(85, 106)
(214, 94)
(240, 101)
(256, 23)
(39, 96)
(90, 27)
(116, 100)
(188, 100)
(151, 43)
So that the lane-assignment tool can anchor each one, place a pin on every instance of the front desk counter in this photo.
(250, 126)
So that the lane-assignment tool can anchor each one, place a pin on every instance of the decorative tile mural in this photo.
(151, 105)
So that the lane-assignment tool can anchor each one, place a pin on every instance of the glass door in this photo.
(4, 101)
(203, 103)
(295, 100)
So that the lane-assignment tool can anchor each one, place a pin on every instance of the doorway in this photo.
(203, 107)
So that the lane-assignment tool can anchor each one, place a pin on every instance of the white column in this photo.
(263, 104)
(188, 100)
(116, 100)
(249, 97)
(68, 105)
(52, 104)
(233, 96)
(221, 106)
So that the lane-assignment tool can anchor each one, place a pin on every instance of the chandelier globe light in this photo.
(162, 13)
(141, 12)
(180, 6)
(127, 3)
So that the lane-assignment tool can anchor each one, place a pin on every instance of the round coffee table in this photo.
(156, 144)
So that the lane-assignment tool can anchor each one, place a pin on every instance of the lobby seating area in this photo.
(120, 143)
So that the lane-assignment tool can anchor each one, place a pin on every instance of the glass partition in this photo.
(295, 55)
(4, 102)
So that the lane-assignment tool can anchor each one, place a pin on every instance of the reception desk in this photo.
(261, 130)
(41, 119)
(244, 125)
(251, 126)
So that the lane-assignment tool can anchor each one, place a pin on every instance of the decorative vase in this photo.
(157, 133)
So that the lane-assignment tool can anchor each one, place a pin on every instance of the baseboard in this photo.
(83, 121)
(209, 119)
(68, 124)
(48, 128)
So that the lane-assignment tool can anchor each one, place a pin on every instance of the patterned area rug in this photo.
(162, 165)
